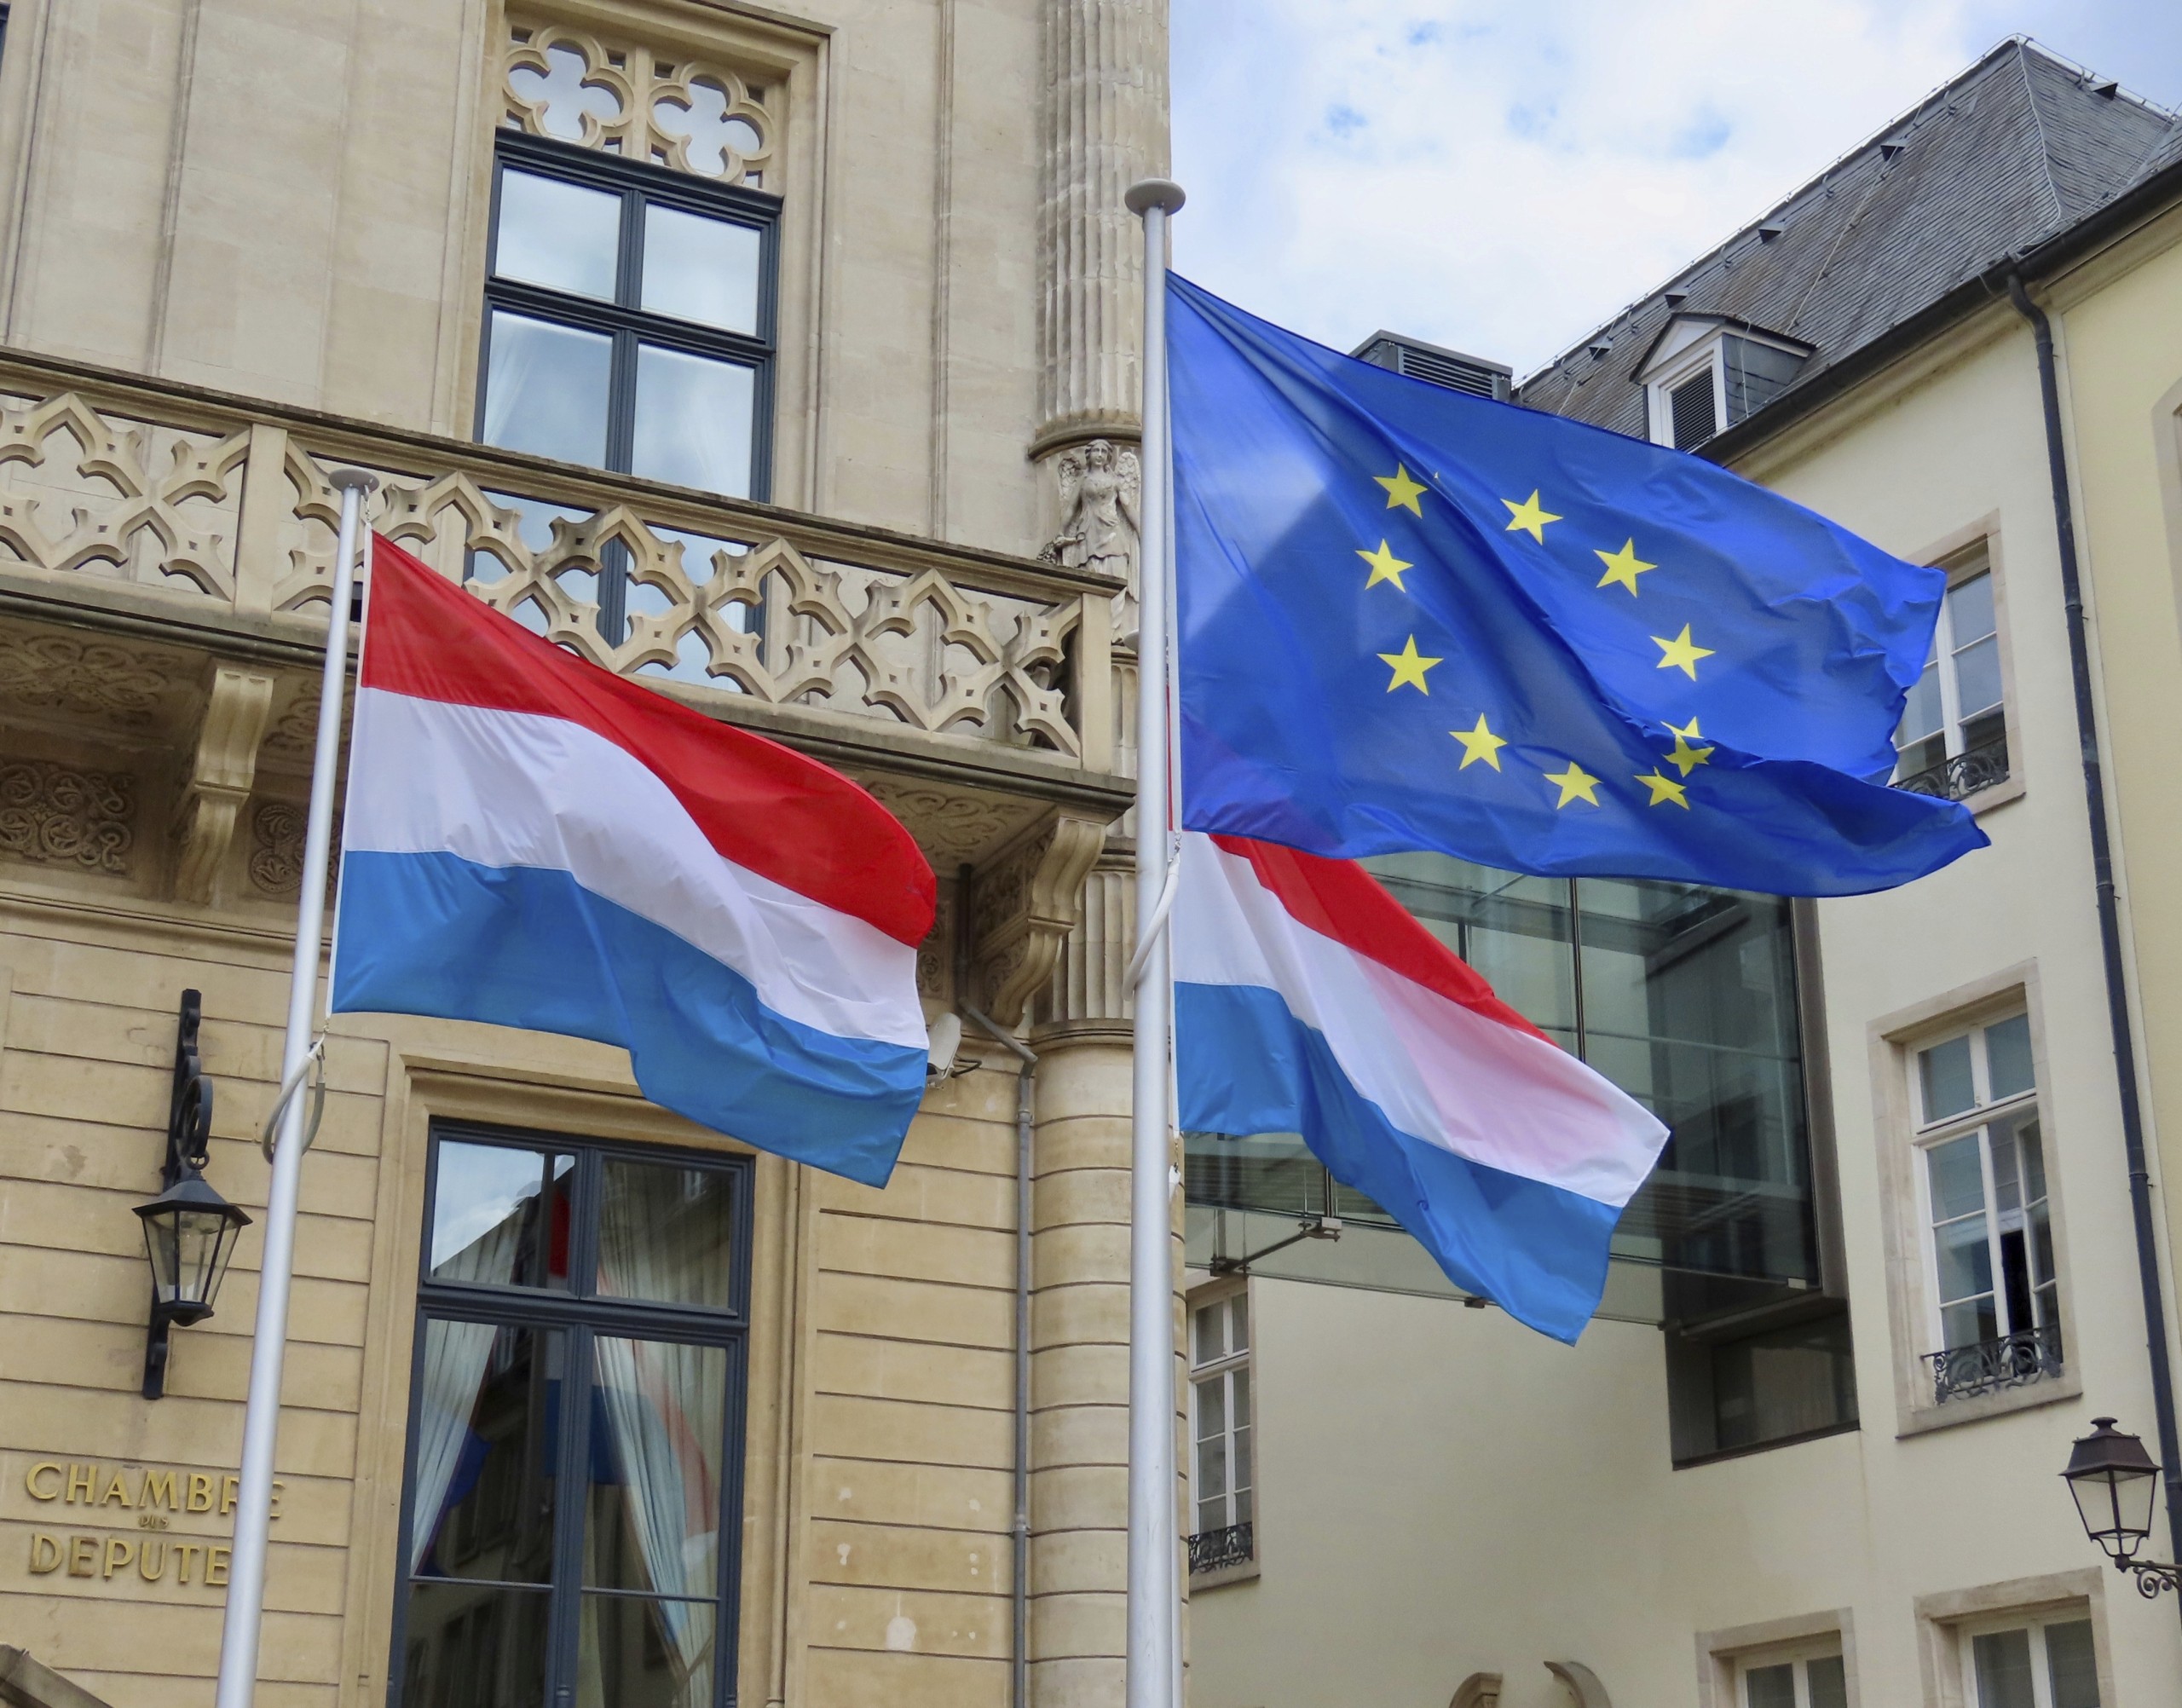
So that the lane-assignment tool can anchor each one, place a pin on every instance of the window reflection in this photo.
(558, 234)
(666, 1235)
(500, 1216)
(482, 1486)
(701, 269)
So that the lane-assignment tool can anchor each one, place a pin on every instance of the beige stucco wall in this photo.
(1443, 1494)
(2118, 324)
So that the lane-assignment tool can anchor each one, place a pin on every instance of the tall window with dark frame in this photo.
(572, 1499)
(629, 323)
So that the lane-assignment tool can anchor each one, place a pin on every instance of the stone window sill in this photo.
(1918, 1420)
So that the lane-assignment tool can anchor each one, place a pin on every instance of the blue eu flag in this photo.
(1414, 618)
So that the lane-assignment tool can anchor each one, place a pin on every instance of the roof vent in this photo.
(1599, 347)
(1450, 368)
(2107, 87)
(1892, 147)
(1674, 298)
(1771, 229)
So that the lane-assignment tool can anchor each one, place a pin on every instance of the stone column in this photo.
(1103, 127)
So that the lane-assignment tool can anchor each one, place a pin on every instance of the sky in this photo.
(1502, 175)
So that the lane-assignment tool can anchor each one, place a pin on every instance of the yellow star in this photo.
(1529, 516)
(1402, 493)
(1385, 567)
(1665, 789)
(1409, 666)
(1576, 784)
(1681, 653)
(1480, 743)
(1686, 759)
(1623, 566)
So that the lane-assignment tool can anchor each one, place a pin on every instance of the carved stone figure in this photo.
(1099, 484)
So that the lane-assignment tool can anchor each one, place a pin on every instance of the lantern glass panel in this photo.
(2116, 1507)
(188, 1248)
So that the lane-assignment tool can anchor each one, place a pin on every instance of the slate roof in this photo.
(2019, 147)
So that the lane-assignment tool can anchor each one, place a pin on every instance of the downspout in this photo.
(1019, 1578)
(2110, 914)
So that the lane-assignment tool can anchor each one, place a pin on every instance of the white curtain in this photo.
(455, 1357)
(666, 1407)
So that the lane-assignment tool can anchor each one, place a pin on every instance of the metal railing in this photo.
(1989, 1367)
(1215, 1550)
(1964, 775)
(168, 499)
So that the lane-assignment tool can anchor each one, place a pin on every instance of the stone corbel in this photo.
(237, 703)
(1024, 903)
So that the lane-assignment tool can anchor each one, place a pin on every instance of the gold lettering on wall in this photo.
(156, 1498)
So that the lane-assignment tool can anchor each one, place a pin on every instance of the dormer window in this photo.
(1706, 373)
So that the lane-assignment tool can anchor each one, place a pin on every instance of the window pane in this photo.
(1212, 1514)
(470, 1647)
(1966, 1259)
(1944, 1069)
(556, 234)
(701, 269)
(1211, 1406)
(1242, 1458)
(1977, 677)
(639, 1652)
(659, 1420)
(1827, 1680)
(1241, 1378)
(666, 1234)
(1239, 1314)
(693, 421)
(482, 1475)
(546, 389)
(2002, 1660)
(1970, 610)
(1970, 1323)
(500, 1214)
(1208, 1333)
(2072, 1665)
(1212, 1468)
(1921, 713)
(1957, 1177)
(1770, 1686)
(2007, 1057)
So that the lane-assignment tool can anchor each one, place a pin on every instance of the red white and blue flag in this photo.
(533, 841)
(1306, 1000)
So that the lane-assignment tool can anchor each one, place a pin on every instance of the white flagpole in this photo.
(1152, 1648)
(262, 1414)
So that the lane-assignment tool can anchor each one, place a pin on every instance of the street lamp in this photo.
(189, 1230)
(2113, 1480)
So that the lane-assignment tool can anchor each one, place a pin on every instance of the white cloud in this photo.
(1502, 174)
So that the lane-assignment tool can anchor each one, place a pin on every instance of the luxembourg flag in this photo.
(533, 841)
(1308, 1001)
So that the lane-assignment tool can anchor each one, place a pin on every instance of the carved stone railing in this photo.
(220, 506)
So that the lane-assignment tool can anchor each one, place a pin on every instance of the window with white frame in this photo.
(1817, 1680)
(1988, 1225)
(1221, 1462)
(1953, 740)
(2030, 1662)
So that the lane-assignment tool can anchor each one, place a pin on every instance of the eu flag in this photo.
(1411, 619)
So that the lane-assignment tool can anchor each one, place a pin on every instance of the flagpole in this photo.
(1152, 1649)
(261, 1423)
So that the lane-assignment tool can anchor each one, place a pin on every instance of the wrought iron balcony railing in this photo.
(201, 509)
(1989, 1367)
(1963, 775)
(1215, 1550)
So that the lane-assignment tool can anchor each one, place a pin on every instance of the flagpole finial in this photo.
(361, 479)
(1146, 193)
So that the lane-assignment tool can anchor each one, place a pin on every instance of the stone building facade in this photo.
(868, 261)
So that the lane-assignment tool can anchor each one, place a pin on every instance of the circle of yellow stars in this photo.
(1480, 745)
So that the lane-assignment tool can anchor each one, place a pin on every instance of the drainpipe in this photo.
(1019, 1648)
(2109, 916)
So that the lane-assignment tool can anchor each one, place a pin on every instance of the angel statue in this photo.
(1098, 488)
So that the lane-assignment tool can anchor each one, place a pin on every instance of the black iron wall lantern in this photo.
(189, 1229)
(2113, 1480)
